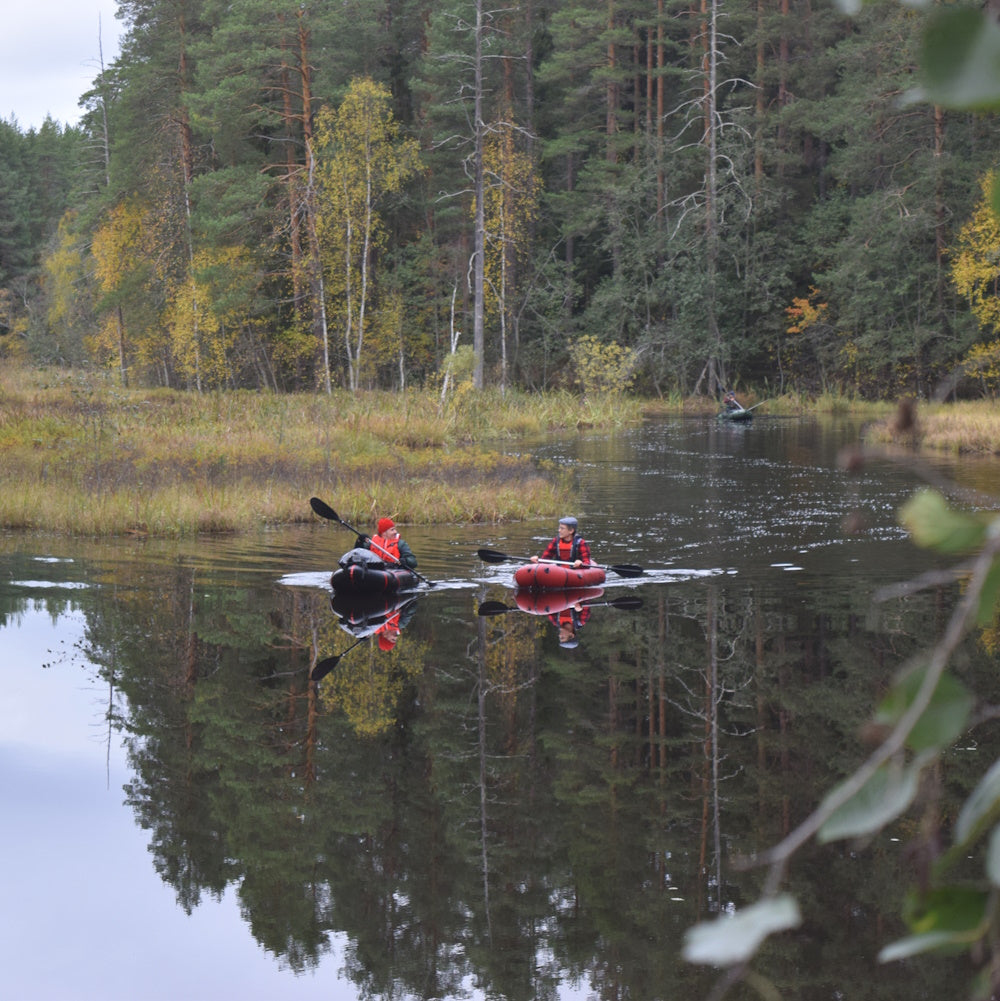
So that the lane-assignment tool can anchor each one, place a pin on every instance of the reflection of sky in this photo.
(84, 913)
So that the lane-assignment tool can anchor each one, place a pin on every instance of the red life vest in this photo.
(569, 552)
(381, 547)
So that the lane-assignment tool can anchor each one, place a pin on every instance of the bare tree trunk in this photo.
(710, 67)
(320, 328)
(483, 776)
(479, 251)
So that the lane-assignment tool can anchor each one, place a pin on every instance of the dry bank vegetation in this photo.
(80, 455)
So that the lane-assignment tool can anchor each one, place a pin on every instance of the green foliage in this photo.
(932, 523)
(959, 58)
(610, 211)
(924, 713)
(603, 367)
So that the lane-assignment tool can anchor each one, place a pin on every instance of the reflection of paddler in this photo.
(382, 617)
(568, 622)
(565, 609)
(388, 633)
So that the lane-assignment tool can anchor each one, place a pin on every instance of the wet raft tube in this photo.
(556, 577)
(360, 574)
(368, 580)
(552, 602)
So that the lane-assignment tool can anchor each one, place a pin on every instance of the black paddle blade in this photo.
(494, 608)
(323, 509)
(627, 570)
(323, 668)
(626, 603)
(492, 556)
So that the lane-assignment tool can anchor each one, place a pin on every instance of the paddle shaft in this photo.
(622, 569)
(325, 511)
(746, 410)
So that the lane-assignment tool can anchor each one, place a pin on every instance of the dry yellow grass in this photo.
(80, 455)
(969, 427)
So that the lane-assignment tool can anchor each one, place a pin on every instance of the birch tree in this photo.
(362, 159)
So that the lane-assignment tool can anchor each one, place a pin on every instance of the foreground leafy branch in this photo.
(927, 709)
(923, 715)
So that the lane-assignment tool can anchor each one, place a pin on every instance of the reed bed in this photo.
(83, 456)
(968, 427)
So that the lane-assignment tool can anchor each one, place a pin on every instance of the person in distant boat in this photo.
(567, 546)
(732, 404)
(568, 622)
(388, 544)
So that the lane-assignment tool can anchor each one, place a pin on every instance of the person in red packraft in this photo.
(567, 546)
(389, 545)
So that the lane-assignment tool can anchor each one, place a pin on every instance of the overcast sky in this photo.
(50, 54)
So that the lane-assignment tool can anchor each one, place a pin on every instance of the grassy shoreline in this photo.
(967, 428)
(83, 456)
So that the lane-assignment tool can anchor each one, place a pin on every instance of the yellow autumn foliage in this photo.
(975, 273)
(362, 158)
(603, 368)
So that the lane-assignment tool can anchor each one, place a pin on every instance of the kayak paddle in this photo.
(622, 569)
(324, 667)
(325, 511)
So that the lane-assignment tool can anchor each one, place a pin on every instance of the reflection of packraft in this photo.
(363, 573)
(551, 602)
(365, 615)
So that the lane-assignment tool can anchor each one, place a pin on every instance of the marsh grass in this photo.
(784, 405)
(968, 427)
(83, 456)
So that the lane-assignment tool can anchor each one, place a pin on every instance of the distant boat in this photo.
(735, 412)
(739, 416)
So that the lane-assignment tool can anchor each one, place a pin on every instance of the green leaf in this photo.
(960, 59)
(982, 802)
(735, 939)
(934, 525)
(993, 857)
(959, 911)
(943, 721)
(880, 800)
(987, 609)
(913, 945)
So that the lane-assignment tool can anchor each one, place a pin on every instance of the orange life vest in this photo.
(381, 547)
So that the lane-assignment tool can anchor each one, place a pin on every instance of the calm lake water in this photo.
(477, 812)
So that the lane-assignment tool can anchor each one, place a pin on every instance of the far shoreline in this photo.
(82, 456)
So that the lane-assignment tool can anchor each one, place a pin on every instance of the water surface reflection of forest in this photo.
(475, 810)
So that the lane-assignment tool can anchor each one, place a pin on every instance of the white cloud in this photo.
(50, 54)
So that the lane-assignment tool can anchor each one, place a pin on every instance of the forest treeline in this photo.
(666, 196)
